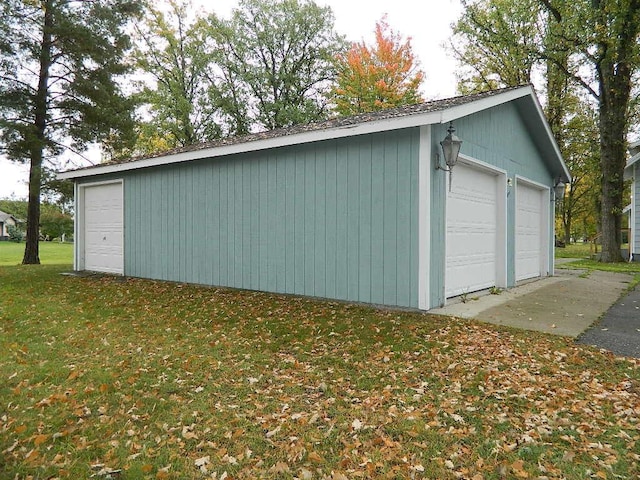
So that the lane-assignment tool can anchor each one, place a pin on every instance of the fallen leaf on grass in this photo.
(518, 469)
(187, 432)
(163, 473)
(315, 457)
(202, 463)
(280, 467)
(31, 456)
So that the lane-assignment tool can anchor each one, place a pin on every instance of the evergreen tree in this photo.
(60, 62)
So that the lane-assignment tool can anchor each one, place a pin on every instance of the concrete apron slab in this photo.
(565, 304)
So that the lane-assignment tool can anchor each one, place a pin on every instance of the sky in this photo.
(427, 23)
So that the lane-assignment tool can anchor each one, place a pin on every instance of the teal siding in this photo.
(499, 137)
(333, 219)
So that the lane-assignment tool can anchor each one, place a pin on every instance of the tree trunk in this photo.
(568, 219)
(32, 248)
(557, 88)
(615, 71)
(612, 155)
(614, 100)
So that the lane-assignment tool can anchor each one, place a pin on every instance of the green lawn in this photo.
(51, 253)
(581, 253)
(574, 250)
(163, 380)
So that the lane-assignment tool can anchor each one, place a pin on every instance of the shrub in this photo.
(15, 233)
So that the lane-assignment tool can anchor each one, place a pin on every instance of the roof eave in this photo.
(632, 160)
(563, 175)
(258, 145)
(444, 115)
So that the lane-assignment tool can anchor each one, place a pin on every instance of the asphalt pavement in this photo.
(619, 329)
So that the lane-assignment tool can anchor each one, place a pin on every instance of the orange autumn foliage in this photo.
(372, 78)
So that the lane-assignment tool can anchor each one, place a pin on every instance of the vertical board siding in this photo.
(364, 200)
(334, 219)
(499, 137)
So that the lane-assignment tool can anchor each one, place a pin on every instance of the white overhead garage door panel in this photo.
(472, 231)
(103, 228)
(530, 231)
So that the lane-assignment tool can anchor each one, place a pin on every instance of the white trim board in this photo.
(424, 219)
(550, 135)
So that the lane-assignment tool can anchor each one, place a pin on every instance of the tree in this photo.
(275, 63)
(580, 150)
(617, 28)
(385, 75)
(593, 44)
(59, 64)
(54, 221)
(172, 50)
(603, 38)
(15, 233)
(496, 43)
(500, 43)
(57, 192)
(17, 208)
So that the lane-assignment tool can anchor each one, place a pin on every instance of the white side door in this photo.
(103, 230)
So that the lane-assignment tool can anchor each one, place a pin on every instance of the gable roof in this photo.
(428, 113)
(4, 216)
(634, 151)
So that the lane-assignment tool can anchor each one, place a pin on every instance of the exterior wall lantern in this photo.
(450, 150)
(558, 190)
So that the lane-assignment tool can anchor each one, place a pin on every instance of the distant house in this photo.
(632, 171)
(354, 208)
(6, 220)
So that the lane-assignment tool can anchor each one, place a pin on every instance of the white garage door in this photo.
(530, 231)
(103, 228)
(472, 231)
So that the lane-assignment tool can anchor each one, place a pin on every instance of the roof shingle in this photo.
(337, 122)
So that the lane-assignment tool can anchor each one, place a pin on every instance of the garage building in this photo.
(355, 208)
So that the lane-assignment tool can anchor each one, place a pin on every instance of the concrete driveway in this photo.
(565, 304)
